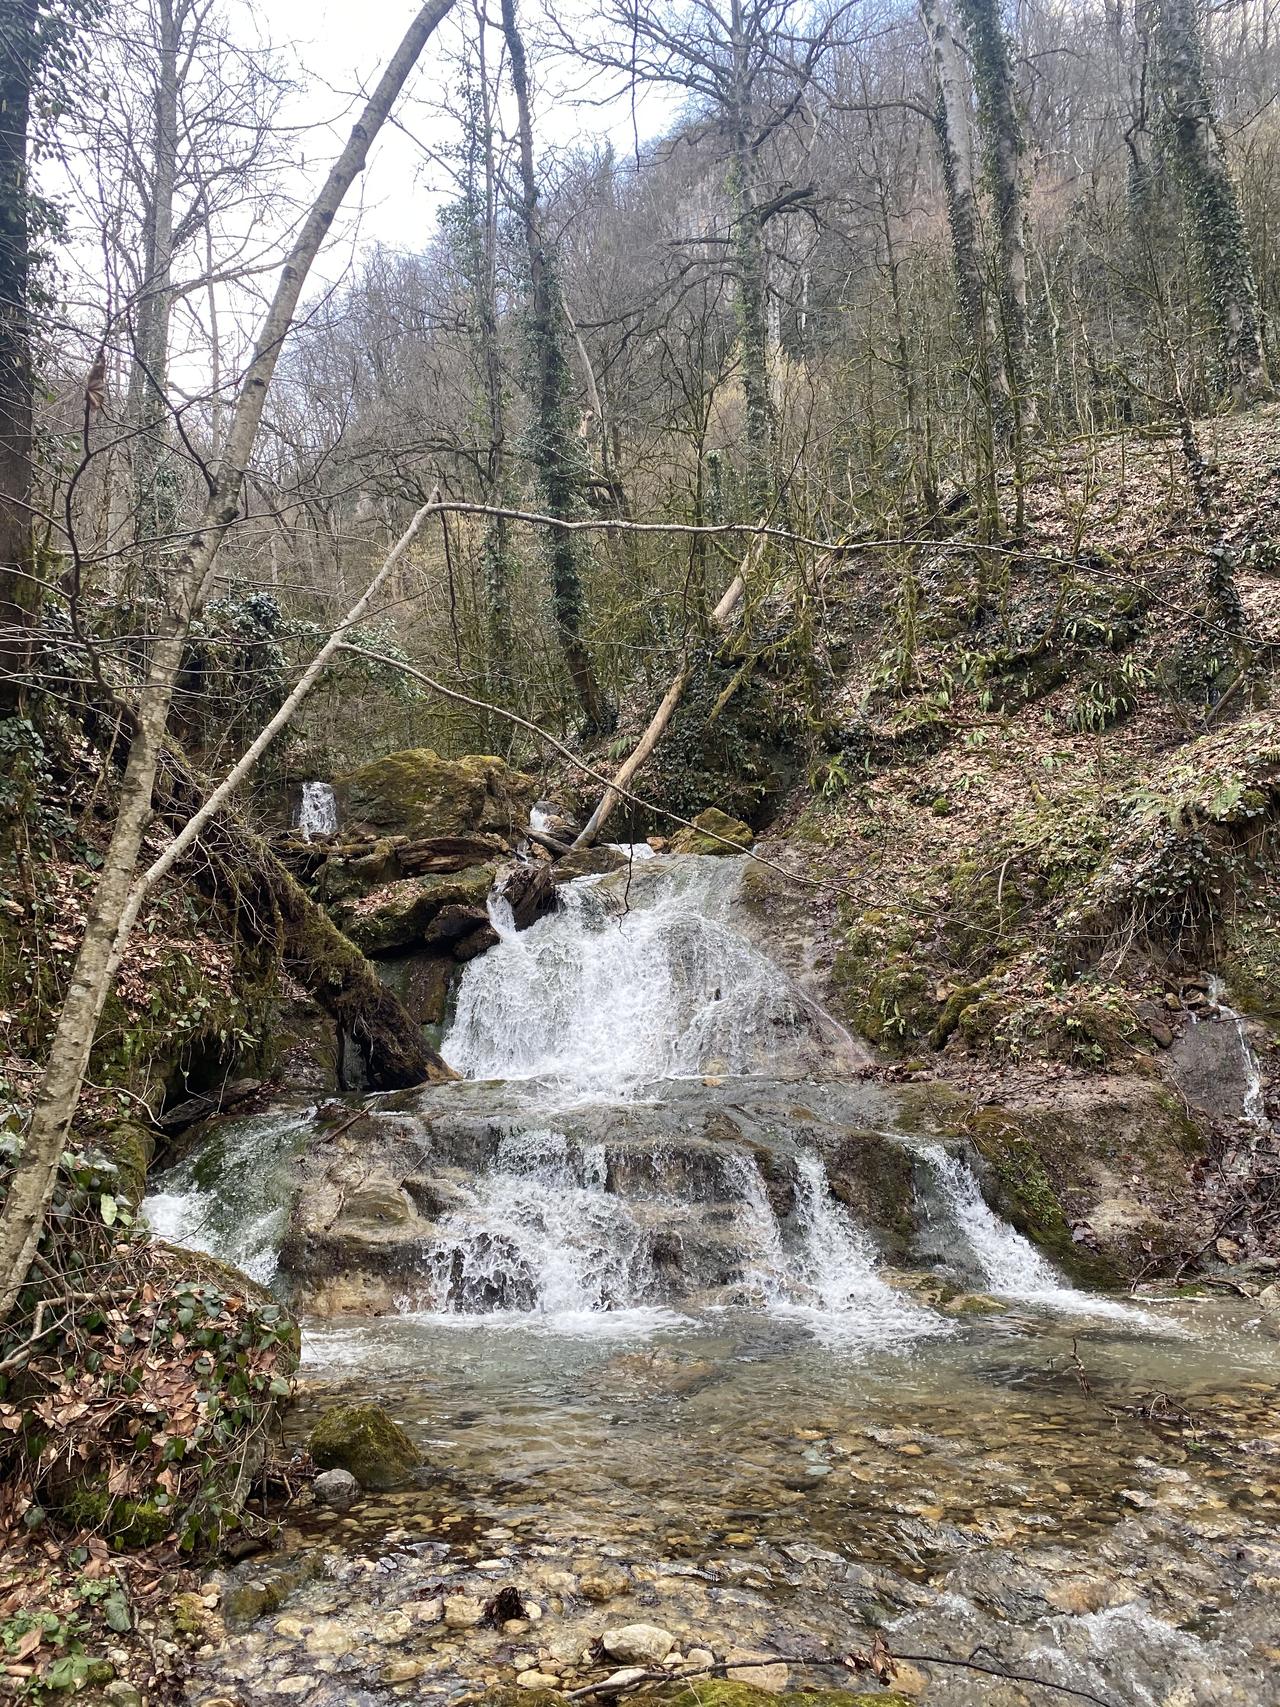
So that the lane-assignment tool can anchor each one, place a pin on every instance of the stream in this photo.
(691, 1334)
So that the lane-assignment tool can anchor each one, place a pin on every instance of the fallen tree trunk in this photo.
(643, 749)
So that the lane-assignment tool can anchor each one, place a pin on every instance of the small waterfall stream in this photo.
(318, 813)
(649, 1149)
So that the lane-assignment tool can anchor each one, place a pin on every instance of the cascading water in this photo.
(318, 814)
(231, 1197)
(629, 982)
(980, 1246)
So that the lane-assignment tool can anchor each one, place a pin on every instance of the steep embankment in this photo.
(1044, 807)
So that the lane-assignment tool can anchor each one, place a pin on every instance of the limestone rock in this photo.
(638, 1644)
(461, 1612)
(363, 1440)
(337, 1489)
(710, 827)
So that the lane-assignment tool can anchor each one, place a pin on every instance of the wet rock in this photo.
(363, 1440)
(638, 1644)
(604, 1585)
(714, 832)
(587, 862)
(337, 1489)
(537, 1680)
(461, 1612)
(402, 1670)
(529, 890)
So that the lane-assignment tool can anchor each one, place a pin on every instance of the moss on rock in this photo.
(397, 916)
(712, 830)
(365, 1441)
(417, 793)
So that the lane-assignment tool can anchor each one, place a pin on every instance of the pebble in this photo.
(697, 1658)
(536, 1680)
(462, 1613)
(402, 1671)
(641, 1644)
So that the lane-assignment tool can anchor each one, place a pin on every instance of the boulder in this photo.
(638, 1644)
(421, 980)
(396, 916)
(712, 830)
(418, 794)
(588, 862)
(363, 1440)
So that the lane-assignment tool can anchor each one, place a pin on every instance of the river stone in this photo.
(336, 1488)
(463, 1613)
(711, 830)
(363, 1440)
(771, 1675)
(619, 1680)
(537, 1680)
(638, 1644)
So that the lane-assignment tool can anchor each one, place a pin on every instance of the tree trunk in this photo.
(1001, 129)
(955, 145)
(154, 490)
(1213, 206)
(753, 293)
(555, 450)
(109, 920)
(18, 593)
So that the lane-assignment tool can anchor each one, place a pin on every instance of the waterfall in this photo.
(540, 1233)
(318, 814)
(972, 1239)
(231, 1197)
(637, 977)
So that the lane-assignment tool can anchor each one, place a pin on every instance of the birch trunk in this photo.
(109, 920)
(17, 590)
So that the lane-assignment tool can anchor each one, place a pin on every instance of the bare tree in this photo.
(107, 926)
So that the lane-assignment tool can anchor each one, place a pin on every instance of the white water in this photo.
(542, 1233)
(626, 983)
(231, 1197)
(1007, 1264)
(318, 815)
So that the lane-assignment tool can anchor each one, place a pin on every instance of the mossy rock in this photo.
(120, 1521)
(712, 830)
(1250, 963)
(417, 793)
(397, 916)
(365, 1441)
(130, 1145)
